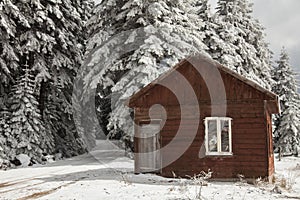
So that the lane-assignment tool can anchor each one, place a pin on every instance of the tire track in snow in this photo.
(12, 183)
(47, 192)
(31, 187)
(20, 188)
(23, 180)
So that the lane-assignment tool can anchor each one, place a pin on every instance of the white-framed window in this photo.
(218, 140)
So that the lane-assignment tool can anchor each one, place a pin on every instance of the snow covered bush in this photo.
(24, 160)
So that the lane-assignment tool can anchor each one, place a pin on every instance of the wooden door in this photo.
(149, 143)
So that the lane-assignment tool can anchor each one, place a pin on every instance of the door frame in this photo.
(138, 142)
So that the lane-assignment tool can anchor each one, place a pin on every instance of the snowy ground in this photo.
(107, 174)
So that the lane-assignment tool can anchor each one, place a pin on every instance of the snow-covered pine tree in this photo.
(4, 137)
(224, 49)
(29, 135)
(287, 131)
(219, 37)
(8, 47)
(48, 36)
(284, 77)
(257, 37)
(8, 66)
(4, 128)
(242, 46)
(254, 34)
(142, 39)
(287, 124)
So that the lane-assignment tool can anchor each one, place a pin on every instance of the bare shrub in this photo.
(288, 181)
(198, 181)
(125, 179)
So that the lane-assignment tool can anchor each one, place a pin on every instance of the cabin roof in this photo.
(201, 58)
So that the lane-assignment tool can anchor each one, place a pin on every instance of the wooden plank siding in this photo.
(251, 125)
(248, 141)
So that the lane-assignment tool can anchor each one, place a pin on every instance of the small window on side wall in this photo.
(218, 136)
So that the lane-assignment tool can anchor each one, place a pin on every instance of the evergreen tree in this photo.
(29, 134)
(5, 137)
(8, 65)
(4, 127)
(284, 77)
(219, 37)
(242, 45)
(47, 36)
(142, 39)
(286, 133)
(8, 47)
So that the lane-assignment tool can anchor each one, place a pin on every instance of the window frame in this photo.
(219, 139)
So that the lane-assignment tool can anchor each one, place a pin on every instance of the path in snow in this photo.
(102, 163)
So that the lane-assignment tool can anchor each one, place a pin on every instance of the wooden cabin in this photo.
(201, 116)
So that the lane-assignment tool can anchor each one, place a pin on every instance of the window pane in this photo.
(212, 136)
(225, 136)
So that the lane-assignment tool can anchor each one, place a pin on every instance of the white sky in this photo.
(281, 18)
